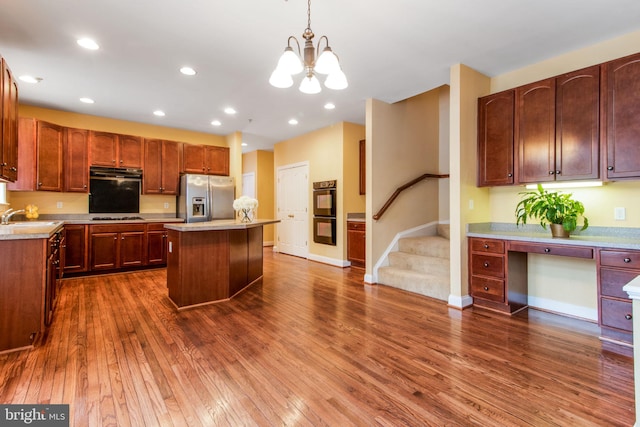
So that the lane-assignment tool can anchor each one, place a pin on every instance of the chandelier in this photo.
(290, 63)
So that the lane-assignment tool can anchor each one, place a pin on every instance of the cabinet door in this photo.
(104, 251)
(578, 125)
(75, 248)
(76, 160)
(170, 167)
(130, 151)
(152, 176)
(27, 153)
(49, 156)
(103, 148)
(192, 158)
(356, 248)
(621, 86)
(535, 131)
(156, 247)
(216, 160)
(495, 139)
(131, 249)
(9, 163)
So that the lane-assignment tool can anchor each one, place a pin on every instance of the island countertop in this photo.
(219, 224)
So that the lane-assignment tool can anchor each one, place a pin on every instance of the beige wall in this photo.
(324, 150)
(74, 203)
(351, 198)
(403, 142)
(261, 164)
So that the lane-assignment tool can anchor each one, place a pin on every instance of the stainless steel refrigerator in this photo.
(205, 198)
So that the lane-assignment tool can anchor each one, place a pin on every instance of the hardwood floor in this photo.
(312, 346)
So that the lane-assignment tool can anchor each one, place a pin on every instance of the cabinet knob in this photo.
(628, 316)
(558, 172)
(39, 184)
(609, 168)
(14, 169)
(627, 260)
(121, 161)
(486, 246)
(84, 186)
(547, 250)
(509, 175)
(552, 172)
(486, 264)
(486, 288)
(3, 164)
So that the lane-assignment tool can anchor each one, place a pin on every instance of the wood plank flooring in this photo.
(312, 346)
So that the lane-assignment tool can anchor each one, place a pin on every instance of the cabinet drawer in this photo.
(612, 281)
(616, 314)
(155, 226)
(489, 289)
(487, 265)
(116, 228)
(487, 245)
(360, 226)
(624, 259)
(559, 250)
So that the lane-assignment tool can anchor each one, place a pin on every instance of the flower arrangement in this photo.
(245, 205)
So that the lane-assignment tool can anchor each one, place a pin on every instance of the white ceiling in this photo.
(389, 50)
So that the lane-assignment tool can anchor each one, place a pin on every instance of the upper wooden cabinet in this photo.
(558, 127)
(49, 148)
(205, 159)
(27, 153)
(621, 106)
(76, 160)
(110, 149)
(161, 167)
(495, 139)
(8, 124)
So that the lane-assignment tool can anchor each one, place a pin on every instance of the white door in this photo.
(293, 201)
(249, 184)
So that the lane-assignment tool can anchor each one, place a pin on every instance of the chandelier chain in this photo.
(309, 14)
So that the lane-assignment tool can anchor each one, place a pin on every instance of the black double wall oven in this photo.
(324, 212)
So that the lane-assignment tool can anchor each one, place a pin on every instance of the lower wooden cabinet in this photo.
(156, 244)
(76, 248)
(356, 247)
(114, 246)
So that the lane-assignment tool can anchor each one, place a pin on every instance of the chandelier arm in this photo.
(326, 40)
(297, 44)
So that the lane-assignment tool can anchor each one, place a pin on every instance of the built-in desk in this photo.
(498, 270)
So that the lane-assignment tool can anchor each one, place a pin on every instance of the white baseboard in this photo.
(267, 243)
(368, 278)
(564, 308)
(330, 261)
(460, 301)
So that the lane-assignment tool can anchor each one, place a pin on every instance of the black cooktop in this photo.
(111, 218)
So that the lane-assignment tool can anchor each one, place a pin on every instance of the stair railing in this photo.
(403, 187)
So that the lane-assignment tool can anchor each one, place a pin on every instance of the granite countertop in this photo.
(220, 224)
(29, 230)
(356, 217)
(603, 237)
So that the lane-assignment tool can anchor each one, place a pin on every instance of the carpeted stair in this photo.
(420, 265)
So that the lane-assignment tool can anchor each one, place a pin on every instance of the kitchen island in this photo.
(212, 261)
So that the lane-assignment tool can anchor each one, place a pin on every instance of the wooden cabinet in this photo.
(49, 147)
(27, 153)
(495, 139)
(356, 247)
(558, 127)
(621, 106)
(156, 244)
(114, 246)
(161, 167)
(76, 160)
(616, 268)
(8, 124)
(491, 267)
(110, 149)
(205, 159)
(76, 248)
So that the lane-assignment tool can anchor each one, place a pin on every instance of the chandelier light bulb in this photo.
(289, 62)
(327, 62)
(310, 84)
(336, 81)
(280, 79)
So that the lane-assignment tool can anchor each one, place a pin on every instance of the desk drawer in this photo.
(623, 259)
(616, 314)
(489, 289)
(487, 265)
(487, 245)
(559, 250)
(612, 281)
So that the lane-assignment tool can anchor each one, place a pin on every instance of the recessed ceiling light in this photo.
(87, 100)
(230, 110)
(216, 122)
(159, 113)
(30, 79)
(329, 106)
(293, 122)
(188, 71)
(88, 44)
(244, 144)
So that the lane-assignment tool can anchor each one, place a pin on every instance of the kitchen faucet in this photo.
(6, 215)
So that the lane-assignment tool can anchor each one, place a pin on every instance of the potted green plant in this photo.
(559, 210)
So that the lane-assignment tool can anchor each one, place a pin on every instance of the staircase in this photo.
(420, 265)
